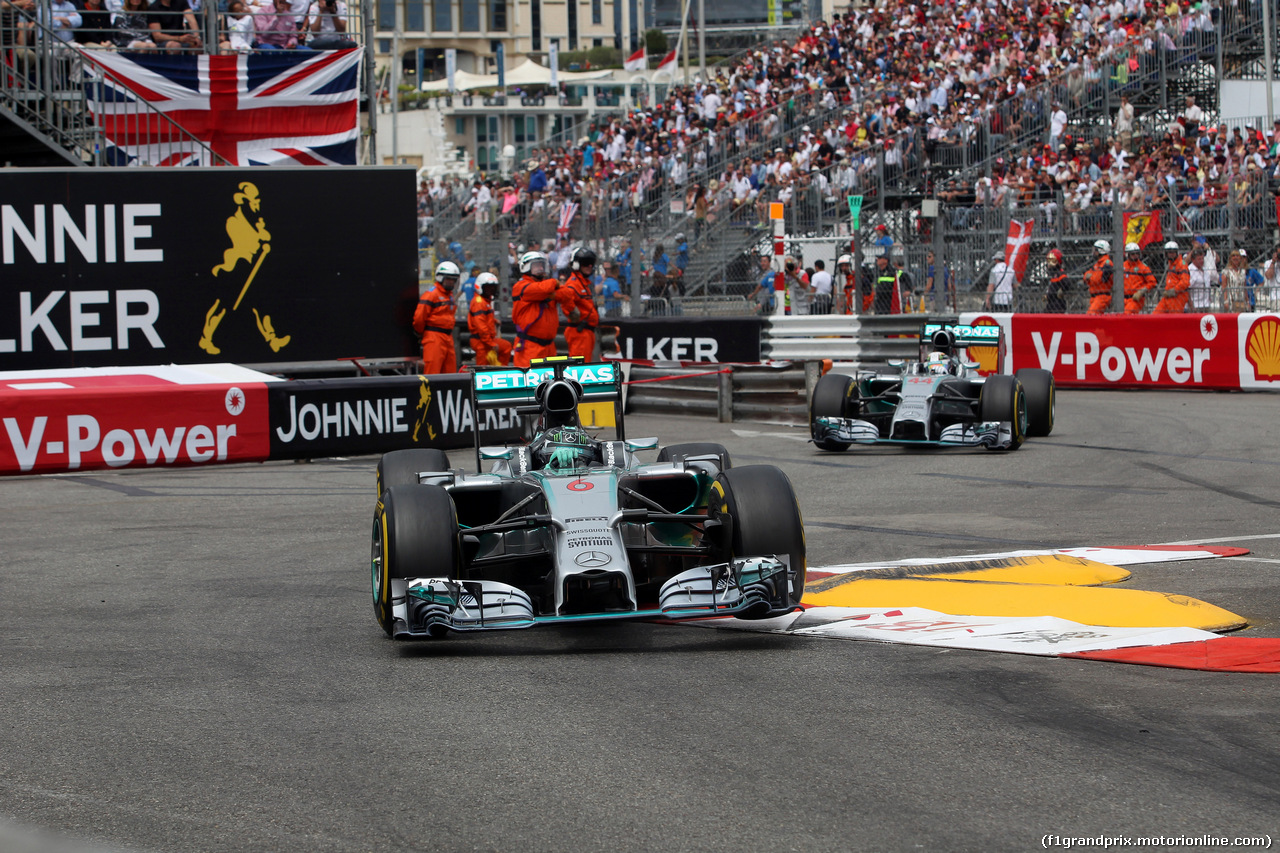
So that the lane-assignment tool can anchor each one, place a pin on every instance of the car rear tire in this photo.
(1004, 400)
(415, 534)
(765, 516)
(1041, 392)
(401, 467)
(835, 396)
(672, 452)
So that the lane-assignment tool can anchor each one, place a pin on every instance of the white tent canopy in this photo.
(527, 73)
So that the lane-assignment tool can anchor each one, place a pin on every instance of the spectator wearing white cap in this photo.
(1001, 284)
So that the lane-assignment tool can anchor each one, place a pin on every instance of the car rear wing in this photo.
(933, 335)
(514, 387)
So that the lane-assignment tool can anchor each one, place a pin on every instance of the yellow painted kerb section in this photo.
(1120, 608)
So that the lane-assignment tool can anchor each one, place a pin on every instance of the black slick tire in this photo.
(401, 467)
(1004, 400)
(835, 396)
(1041, 396)
(765, 516)
(415, 534)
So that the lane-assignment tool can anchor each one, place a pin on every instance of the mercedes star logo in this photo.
(592, 559)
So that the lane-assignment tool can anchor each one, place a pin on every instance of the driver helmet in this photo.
(938, 363)
(529, 259)
(564, 448)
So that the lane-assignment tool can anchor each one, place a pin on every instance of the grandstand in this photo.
(993, 127)
(950, 122)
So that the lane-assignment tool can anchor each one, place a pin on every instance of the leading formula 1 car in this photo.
(569, 528)
(940, 400)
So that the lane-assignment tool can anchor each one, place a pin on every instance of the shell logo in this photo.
(1262, 349)
(988, 358)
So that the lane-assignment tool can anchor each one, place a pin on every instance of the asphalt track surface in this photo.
(190, 663)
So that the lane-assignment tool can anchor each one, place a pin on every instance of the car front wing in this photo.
(989, 434)
(749, 588)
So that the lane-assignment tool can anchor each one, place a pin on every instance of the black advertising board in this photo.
(341, 417)
(710, 339)
(107, 267)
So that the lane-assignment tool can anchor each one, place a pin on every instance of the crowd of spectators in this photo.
(865, 100)
(179, 25)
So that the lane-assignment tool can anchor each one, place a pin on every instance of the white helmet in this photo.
(486, 278)
(938, 363)
(1171, 246)
(445, 270)
(1132, 247)
(528, 259)
(1102, 246)
(845, 259)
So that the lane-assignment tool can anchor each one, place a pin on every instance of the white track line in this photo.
(1224, 539)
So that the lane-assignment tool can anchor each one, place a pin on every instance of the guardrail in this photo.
(728, 392)
(866, 340)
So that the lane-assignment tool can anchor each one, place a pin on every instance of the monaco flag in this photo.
(1017, 247)
(638, 61)
(668, 63)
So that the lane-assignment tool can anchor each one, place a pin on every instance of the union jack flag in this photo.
(567, 211)
(274, 108)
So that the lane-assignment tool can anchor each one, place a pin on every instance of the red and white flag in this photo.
(668, 63)
(1017, 248)
(567, 211)
(639, 61)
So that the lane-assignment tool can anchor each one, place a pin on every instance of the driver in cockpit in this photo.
(563, 444)
(939, 363)
(564, 448)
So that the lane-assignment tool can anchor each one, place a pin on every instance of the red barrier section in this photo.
(1209, 351)
(1224, 654)
(76, 420)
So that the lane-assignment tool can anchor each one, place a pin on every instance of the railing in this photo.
(49, 84)
(51, 81)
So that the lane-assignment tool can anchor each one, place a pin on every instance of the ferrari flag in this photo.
(1017, 247)
(1142, 228)
(277, 107)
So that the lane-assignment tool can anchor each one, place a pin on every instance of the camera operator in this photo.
(798, 289)
(326, 25)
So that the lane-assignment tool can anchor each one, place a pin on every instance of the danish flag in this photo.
(277, 107)
(1017, 247)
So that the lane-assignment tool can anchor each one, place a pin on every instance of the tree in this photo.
(655, 43)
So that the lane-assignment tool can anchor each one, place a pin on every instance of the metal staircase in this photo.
(46, 94)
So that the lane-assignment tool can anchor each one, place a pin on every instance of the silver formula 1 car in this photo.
(570, 528)
(940, 400)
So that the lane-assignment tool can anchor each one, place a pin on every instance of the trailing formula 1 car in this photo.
(940, 400)
(570, 528)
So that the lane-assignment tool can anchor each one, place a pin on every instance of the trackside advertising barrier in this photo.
(711, 339)
(106, 267)
(338, 417)
(94, 418)
(1211, 351)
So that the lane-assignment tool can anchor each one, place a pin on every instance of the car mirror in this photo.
(634, 444)
(495, 452)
